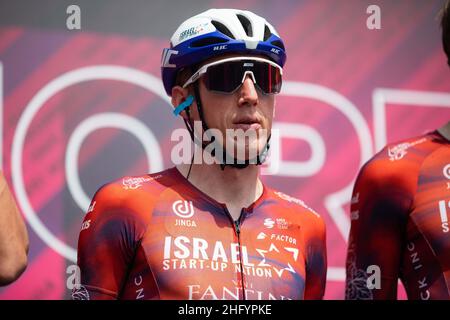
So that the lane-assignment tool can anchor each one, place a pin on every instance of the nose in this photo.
(247, 93)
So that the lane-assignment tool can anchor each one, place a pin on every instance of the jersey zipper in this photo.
(237, 230)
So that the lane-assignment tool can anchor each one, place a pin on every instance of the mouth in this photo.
(247, 123)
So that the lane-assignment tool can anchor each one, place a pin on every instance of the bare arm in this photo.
(13, 237)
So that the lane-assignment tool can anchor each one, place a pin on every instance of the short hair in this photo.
(445, 24)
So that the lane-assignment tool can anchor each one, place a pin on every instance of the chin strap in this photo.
(258, 160)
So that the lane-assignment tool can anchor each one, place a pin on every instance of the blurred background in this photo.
(79, 108)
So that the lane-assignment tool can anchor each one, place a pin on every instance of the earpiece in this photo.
(183, 105)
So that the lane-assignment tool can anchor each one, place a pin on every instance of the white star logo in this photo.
(272, 248)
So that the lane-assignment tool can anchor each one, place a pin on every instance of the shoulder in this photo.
(132, 194)
(299, 211)
(397, 163)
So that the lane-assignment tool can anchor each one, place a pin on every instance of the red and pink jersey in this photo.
(400, 222)
(158, 237)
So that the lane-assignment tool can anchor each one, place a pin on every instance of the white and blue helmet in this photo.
(216, 32)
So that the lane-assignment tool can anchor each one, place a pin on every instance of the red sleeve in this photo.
(316, 262)
(108, 239)
(381, 199)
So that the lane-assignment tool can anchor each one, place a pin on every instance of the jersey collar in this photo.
(179, 177)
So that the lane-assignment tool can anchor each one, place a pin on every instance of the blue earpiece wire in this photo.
(183, 105)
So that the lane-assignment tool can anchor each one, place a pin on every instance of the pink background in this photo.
(333, 60)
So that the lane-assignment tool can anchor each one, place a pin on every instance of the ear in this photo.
(179, 95)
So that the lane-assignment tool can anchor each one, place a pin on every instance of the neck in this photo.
(237, 188)
(445, 131)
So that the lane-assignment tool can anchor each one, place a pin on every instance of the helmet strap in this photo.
(260, 158)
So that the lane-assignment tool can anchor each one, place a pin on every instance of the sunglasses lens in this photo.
(268, 78)
(227, 77)
(224, 77)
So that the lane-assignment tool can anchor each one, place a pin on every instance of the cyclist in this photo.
(209, 230)
(400, 213)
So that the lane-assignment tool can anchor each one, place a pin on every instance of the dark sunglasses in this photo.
(227, 75)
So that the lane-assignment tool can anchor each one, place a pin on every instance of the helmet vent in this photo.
(278, 43)
(267, 33)
(207, 41)
(221, 27)
(245, 24)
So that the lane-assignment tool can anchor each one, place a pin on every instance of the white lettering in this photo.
(235, 253)
(422, 283)
(277, 51)
(414, 257)
(443, 215)
(191, 291)
(167, 242)
(183, 253)
(140, 294)
(199, 247)
(426, 297)
(183, 264)
(284, 238)
(166, 57)
(209, 292)
(86, 225)
(245, 257)
(185, 223)
(223, 47)
(219, 252)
